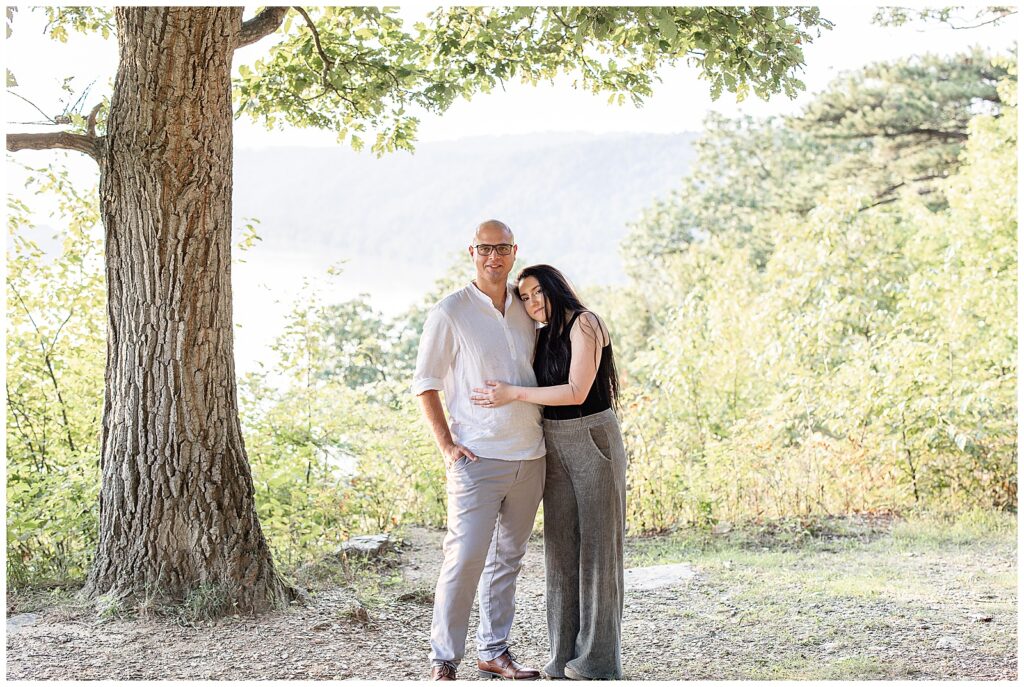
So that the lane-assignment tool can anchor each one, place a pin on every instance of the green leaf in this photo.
(667, 25)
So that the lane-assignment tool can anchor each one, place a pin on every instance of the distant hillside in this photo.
(403, 217)
(400, 221)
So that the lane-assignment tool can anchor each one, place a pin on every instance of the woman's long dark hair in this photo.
(553, 353)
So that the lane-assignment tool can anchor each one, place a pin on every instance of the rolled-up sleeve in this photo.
(436, 353)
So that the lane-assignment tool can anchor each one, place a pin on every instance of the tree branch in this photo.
(49, 364)
(899, 133)
(984, 23)
(91, 122)
(90, 145)
(328, 63)
(327, 66)
(49, 119)
(883, 197)
(263, 24)
(37, 454)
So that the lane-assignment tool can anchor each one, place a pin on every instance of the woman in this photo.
(585, 487)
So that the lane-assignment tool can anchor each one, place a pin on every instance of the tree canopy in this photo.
(364, 73)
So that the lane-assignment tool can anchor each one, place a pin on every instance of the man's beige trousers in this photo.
(491, 508)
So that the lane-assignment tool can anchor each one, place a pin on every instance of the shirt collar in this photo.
(487, 299)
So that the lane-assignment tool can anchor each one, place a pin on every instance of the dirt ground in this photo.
(864, 601)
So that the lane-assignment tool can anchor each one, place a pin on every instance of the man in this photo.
(494, 457)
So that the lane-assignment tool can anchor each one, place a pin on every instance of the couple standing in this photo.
(501, 372)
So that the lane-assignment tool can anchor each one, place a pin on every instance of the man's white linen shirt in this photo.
(465, 342)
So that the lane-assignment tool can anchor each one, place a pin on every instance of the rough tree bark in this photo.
(176, 506)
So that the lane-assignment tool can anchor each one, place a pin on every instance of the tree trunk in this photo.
(176, 507)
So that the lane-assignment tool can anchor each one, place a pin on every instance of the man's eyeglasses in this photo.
(486, 248)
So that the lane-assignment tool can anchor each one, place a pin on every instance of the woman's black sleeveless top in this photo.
(600, 395)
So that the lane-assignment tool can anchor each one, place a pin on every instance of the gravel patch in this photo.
(866, 611)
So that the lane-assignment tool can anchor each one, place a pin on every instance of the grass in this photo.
(205, 602)
(781, 542)
(109, 607)
(817, 534)
(33, 599)
(845, 599)
(840, 668)
(374, 582)
(969, 528)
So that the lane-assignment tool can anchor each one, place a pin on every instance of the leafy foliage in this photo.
(878, 134)
(847, 355)
(55, 359)
(907, 120)
(359, 71)
(336, 442)
(83, 19)
(954, 16)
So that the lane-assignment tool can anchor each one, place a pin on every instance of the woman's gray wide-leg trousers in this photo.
(584, 526)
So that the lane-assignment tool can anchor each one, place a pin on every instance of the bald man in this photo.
(494, 457)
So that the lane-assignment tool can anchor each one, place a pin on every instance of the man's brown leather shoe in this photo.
(506, 668)
(442, 671)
